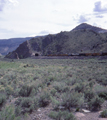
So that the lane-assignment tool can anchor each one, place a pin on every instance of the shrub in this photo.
(44, 99)
(70, 81)
(2, 88)
(62, 115)
(27, 104)
(104, 114)
(18, 111)
(95, 103)
(73, 99)
(99, 88)
(88, 95)
(2, 100)
(54, 115)
(102, 81)
(27, 91)
(103, 95)
(55, 103)
(91, 84)
(80, 87)
(9, 90)
(61, 87)
(68, 116)
(8, 113)
(53, 91)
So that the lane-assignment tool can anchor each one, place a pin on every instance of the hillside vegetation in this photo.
(83, 39)
(49, 89)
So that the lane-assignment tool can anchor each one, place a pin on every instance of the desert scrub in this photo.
(70, 81)
(26, 104)
(44, 99)
(72, 99)
(102, 80)
(95, 103)
(60, 86)
(18, 111)
(62, 115)
(5, 65)
(2, 88)
(2, 100)
(88, 95)
(103, 95)
(55, 103)
(81, 87)
(27, 91)
(104, 114)
(9, 90)
(53, 91)
(99, 88)
(8, 113)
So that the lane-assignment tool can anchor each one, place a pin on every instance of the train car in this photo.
(104, 54)
(96, 54)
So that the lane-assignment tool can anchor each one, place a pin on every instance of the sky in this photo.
(25, 18)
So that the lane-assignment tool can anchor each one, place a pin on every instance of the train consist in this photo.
(79, 54)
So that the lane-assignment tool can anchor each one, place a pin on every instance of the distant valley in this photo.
(8, 45)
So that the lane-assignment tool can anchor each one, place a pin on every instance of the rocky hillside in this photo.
(82, 39)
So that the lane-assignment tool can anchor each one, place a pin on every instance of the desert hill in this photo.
(82, 39)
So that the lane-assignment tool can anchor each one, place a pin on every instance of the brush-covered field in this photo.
(46, 89)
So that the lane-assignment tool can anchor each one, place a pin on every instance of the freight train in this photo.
(79, 54)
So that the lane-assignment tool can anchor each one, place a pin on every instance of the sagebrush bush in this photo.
(88, 95)
(100, 88)
(102, 81)
(27, 104)
(2, 88)
(91, 84)
(55, 103)
(8, 113)
(27, 91)
(72, 99)
(81, 87)
(60, 87)
(103, 95)
(44, 99)
(9, 90)
(53, 91)
(95, 103)
(18, 110)
(2, 100)
(104, 114)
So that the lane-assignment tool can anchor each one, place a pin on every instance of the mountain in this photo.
(8, 45)
(82, 39)
(85, 26)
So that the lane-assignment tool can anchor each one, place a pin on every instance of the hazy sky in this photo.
(23, 18)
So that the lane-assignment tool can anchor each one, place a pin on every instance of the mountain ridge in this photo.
(82, 39)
